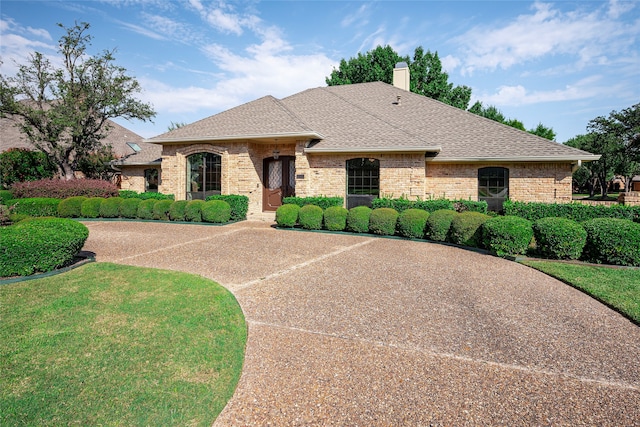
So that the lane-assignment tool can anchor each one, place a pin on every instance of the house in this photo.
(140, 160)
(359, 142)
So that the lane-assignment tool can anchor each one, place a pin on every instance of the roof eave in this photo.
(585, 158)
(424, 149)
(261, 136)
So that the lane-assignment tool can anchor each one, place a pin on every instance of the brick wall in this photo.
(132, 178)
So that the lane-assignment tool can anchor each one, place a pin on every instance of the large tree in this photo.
(492, 112)
(64, 112)
(427, 77)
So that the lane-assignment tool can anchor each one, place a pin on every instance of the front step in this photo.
(262, 216)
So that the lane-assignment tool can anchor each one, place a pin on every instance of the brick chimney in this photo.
(401, 77)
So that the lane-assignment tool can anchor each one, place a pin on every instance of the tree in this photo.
(544, 132)
(492, 113)
(175, 125)
(585, 176)
(603, 170)
(427, 77)
(64, 112)
(21, 164)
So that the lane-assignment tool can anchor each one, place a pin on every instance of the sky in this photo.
(560, 63)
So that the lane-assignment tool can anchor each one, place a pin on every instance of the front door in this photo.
(279, 181)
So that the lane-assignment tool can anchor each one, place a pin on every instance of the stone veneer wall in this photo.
(531, 181)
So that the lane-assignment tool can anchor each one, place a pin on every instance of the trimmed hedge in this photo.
(110, 208)
(5, 196)
(61, 189)
(128, 194)
(321, 201)
(129, 208)
(287, 215)
(403, 204)
(35, 206)
(161, 209)
(145, 209)
(310, 217)
(358, 219)
(507, 235)
(559, 238)
(193, 211)
(335, 218)
(176, 211)
(411, 223)
(466, 228)
(217, 211)
(90, 208)
(534, 211)
(39, 245)
(383, 221)
(71, 207)
(438, 224)
(612, 241)
(470, 206)
(239, 205)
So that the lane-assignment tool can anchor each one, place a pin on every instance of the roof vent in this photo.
(401, 77)
(398, 100)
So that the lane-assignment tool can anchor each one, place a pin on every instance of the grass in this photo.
(114, 345)
(619, 288)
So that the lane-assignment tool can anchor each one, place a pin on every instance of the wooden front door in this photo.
(279, 181)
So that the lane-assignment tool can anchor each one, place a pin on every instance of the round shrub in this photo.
(110, 208)
(411, 223)
(145, 209)
(612, 241)
(193, 211)
(358, 219)
(39, 245)
(383, 221)
(507, 235)
(466, 228)
(176, 211)
(90, 208)
(287, 215)
(71, 207)
(217, 211)
(559, 238)
(438, 224)
(335, 218)
(161, 209)
(310, 217)
(129, 208)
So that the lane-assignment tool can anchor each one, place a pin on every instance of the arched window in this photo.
(151, 180)
(204, 175)
(493, 186)
(363, 181)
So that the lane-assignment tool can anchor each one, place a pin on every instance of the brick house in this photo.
(362, 141)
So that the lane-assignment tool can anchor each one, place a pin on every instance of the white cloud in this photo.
(16, 48)
(359, 17)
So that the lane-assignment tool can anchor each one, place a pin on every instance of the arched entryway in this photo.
(204, 175)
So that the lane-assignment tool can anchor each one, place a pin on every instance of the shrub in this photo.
(161, 209)
(400, 205)
(193, 211)
(110, 208)
(507, 235)
(5, 218)
(22, 164)
(71, 207)
(34, 206)
(466, 228)
(176, 211)
(612, 241)
(559, 238)
(335, 218)
(128, 194)
(433, 205)
(5, 196)
(438, 224)
(383, 221)
(534, 211)
(129, 208)
(145, 209)
(411, 223)
(320, 201)
(310, 217)
(90, 208)
(39, 245)
(217, 211)
(287, 215)
(62, 189)
(403, 204)
(358, 219)
(239, 205)
(471, 205)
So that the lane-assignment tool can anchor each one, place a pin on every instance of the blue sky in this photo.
(561, 63)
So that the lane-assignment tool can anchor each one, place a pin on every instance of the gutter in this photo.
(301, 135)
(426, 149)
(585, 158)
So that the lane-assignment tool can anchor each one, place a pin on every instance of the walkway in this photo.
(362, 331)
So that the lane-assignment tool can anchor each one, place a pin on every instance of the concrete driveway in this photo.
(362, 331)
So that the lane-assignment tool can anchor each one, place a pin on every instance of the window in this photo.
(493, 186)
(363, 181)
(204, 175)
(151, 180)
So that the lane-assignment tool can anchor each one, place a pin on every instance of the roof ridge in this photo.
(293, 115)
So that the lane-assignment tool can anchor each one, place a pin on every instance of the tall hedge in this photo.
(579, 212)
(61, 189)
(507, 235)
(559, 238)
(438, 224)
(466, 228)
(612, 241)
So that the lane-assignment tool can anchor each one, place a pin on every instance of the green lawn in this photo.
(114, 345)
(617, 287)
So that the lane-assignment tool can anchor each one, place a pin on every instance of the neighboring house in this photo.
(362, 141)
(139, 160)
(635, 183)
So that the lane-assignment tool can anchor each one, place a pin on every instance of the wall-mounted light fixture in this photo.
(276, 154)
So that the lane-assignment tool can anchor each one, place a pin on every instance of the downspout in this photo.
(576, 166)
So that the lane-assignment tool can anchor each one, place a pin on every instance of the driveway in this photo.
(362, 331)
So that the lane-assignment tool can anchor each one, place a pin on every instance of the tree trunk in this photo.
(67, 171)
